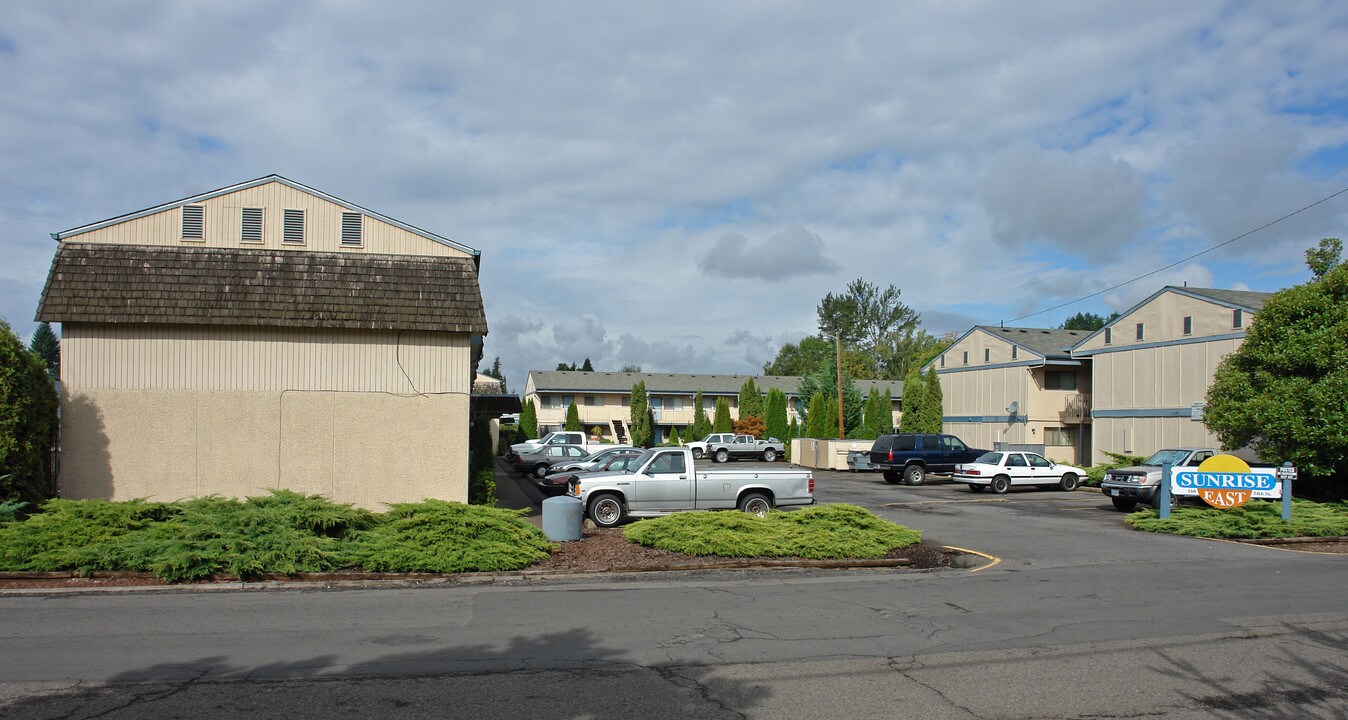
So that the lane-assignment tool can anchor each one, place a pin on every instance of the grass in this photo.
(822, 532)
(282, 533)
(1251, 521)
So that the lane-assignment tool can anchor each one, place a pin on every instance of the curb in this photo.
(1291, 541)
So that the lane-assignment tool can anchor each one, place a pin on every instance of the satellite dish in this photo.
(1014, 407)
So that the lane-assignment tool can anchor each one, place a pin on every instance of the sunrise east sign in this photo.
(1226, 481)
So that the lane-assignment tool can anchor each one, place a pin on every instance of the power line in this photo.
(1183, 260)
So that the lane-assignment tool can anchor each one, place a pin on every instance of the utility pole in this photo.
(837, 338)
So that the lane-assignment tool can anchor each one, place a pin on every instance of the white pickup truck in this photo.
(699, 447)
(561, 437)
(665, 481)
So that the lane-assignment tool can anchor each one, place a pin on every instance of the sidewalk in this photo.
(516, 493)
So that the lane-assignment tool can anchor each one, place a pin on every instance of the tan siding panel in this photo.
(263, 359)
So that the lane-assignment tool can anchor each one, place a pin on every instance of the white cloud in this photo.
(791, 253)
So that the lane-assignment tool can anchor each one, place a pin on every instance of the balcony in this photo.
(1076, 410)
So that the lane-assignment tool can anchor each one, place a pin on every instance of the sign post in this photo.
(1286, 474)
(1167, 472)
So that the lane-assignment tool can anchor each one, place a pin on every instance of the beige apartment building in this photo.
(1153, 364)
(264, 335)
(604, 399)
(1017, 386)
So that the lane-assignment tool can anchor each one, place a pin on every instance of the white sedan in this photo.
(1000, 470)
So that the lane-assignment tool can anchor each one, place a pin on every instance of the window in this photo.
(1109, 335)
(1058, 436)
(966, 357)
(351, 229)
(1038, 460)
(1139, 331)
(1237, 319)
(594, 400)
(567, 400)
(627, 401)
(194, 222)
(943, 361)
(1015, 352)
(1188, 325)
(292, 226)
(252, 225)
(668, 463)
(1060, 380)
(931, 442)
(953, 444)
(987, 355)
(657, 403)
(1015, 460)
(905, 442)
(674, 403)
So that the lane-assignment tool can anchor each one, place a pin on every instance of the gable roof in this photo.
(254, 183)
(1242, 299)
(97, 282)
(680, 383)
(1051, 343)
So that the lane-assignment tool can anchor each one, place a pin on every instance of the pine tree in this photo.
(700, 426)
(529, 420)
(774, 419)
(816, 425)
(932, 413)
(587, 367)
(48, 347)
(639, 420)
(674, 436)
(572, 418)
(872, 418)
(722, 423)
(914, 390)
(751, 400)
(497, 373)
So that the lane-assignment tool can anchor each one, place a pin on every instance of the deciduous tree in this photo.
(1285, 390)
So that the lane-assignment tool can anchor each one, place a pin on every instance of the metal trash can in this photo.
(562, 518)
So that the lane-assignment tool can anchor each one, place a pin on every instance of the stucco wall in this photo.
(362, 448)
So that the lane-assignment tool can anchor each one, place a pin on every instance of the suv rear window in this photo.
(882, 444)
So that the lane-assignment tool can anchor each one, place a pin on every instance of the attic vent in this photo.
(293, 226)
(252, 225)
(351, 227)
(194, 222)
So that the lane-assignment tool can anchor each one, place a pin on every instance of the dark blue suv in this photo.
(908, 457)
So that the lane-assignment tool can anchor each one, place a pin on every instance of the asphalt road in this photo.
(1078, 617)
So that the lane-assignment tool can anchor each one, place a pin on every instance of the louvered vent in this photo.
(194, 222)
(252, 225)
(351, 227)
(293, 232)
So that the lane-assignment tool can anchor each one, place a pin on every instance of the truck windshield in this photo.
(1167, 457)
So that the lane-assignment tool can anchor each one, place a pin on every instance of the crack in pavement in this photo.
(912, 663)
(152, 696)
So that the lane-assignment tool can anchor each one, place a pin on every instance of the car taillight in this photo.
(968, 471)
(811, 484)
(891, 456)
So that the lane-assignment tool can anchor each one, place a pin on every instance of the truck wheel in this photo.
(1124, 504)
(606, 510)
(722, 455)
(914, 475)
(1000, 485)
(755, 504)
(892, 477)
(697, 453)
(770, 455)
(540, 471)
(974, 487)
(1069, 482)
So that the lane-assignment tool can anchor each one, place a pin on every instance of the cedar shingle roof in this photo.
(97, 282)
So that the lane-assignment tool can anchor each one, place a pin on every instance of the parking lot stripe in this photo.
(995, 560)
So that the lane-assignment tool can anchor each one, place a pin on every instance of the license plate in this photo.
(1115, 493)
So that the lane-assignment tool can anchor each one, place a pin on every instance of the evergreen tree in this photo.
(816, 425)
(700, 426)
(774, 420)
(826, 381)
(572, 418)
(872, 417)
(28, 421)
(722, 423)
(481, 466)
(48, 348)
(586, 366)
(674, 436)
(751, 400)
(932, 413)
(889, 413)
(529, 420)
(639, 421)
(914, 390)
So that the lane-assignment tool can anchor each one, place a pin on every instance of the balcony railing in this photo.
(1076, 409)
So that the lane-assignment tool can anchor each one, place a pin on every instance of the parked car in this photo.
(558, 482)
(666, 481)
(561, 437)
(1001, 470)
(739, 447)
(598, 458)
(1128, 486)
(538, 461)
(699, 447)
(908, 457)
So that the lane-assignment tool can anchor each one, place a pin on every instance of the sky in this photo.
(677, 185)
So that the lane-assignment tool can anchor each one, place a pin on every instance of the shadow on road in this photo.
(565, 675)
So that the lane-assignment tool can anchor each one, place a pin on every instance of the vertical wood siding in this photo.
(263, 359)
(224, 226)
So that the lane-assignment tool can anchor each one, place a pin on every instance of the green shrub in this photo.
(483, 491)
(281, 533)
(820, 532)
(74, 534)
(9, 511)
(439, 536)
(1256, 519)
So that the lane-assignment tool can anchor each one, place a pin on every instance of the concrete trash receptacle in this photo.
(562, 518)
